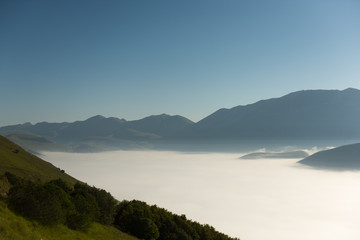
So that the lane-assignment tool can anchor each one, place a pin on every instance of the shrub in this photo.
(47, 203)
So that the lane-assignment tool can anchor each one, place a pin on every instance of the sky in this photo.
(70, 60)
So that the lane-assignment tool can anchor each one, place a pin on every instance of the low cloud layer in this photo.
(253, 200)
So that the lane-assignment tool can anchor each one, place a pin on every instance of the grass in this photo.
(14, 227)
(19, 162)
(16, 160)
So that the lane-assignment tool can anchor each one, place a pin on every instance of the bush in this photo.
(151, 222)
(97, 203)
(47, 203)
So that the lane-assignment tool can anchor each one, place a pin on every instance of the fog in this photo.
(251, 199)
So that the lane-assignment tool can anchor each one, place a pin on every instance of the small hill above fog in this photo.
(342, 158)
(311, 114)
(272, 155)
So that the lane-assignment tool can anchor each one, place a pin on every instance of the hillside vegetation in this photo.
(41, 202)
(16, 227)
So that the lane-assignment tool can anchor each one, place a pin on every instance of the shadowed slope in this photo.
(342, 158)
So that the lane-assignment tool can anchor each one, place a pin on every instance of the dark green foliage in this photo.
(136, 218)
(56, 203)
(13, 179)
(151, 222)
(47, 203)
(62, 184)
(147, 229)
(85, 202)
(95, 202)
(107, 205)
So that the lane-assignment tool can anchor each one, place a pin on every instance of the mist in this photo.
(251, 199)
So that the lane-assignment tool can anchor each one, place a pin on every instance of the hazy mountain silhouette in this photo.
(311, 114)
(341, 158)
(162, 125)
(99, 133)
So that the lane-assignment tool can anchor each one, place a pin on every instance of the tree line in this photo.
(55, 202)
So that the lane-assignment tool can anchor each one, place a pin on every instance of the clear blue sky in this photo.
(66, 60)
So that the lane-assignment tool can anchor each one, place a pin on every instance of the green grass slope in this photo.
(52, 210)
(16, 160)
(14, 227)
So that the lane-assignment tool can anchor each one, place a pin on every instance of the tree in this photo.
(47, 203)
(134, 217)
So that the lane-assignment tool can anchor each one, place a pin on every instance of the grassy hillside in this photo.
(16, 160)
(53, 205)
(14, 227)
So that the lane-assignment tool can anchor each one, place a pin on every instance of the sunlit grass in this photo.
(13, 227)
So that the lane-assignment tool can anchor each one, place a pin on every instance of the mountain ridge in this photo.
(302, 115)
(280, 117)
(98, 132)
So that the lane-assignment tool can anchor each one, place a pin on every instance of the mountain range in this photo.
(311, 114)
(96, 133)
(304, 115)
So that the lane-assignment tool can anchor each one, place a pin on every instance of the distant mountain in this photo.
(162, 125)
(303, 116)
(96, 133)
(342, 158)
(311, 114)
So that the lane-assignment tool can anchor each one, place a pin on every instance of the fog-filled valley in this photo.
(180, 120)
(253, 199)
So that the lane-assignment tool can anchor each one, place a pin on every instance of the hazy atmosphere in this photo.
(251, 199)
(242, 115)
(70, 60)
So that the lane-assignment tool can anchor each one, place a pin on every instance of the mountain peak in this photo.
(351, 90)
(161, 115)
(306, 114)
(97, 117)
